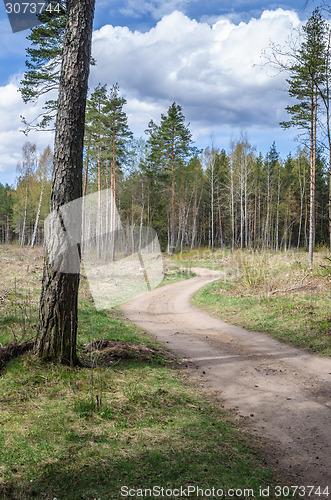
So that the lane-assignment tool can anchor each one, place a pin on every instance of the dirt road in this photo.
(284, 393)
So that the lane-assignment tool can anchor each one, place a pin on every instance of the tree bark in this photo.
(172, 213)
(312, 177)
(57, 331)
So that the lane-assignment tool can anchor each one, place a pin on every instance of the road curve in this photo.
(284, 392)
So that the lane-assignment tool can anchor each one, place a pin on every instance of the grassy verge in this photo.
(130, 419)
(275, 294)
(150, 429)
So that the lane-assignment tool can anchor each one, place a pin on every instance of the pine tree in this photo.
(107, 138)
(57, 331)
(171, 146)
(43, 63)
(305, 78)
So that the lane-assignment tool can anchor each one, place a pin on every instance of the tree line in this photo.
(214, 197)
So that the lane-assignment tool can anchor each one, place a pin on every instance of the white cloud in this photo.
(11, 139)
(214, 72)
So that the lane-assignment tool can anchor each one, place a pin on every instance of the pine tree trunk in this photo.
(212, 205)
(113, 202)
(56, 337)
(329, 141)
(99, 222)
(312, 180)
(172, 214)
(277, 214)
(84, 221)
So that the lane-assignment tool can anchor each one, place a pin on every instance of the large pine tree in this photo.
(306, 76)
(57, 331)
(171, 147)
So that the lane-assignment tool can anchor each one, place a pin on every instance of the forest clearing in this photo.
(134, 403)
(165, 278)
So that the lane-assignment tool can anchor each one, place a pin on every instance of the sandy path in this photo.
(284, 393)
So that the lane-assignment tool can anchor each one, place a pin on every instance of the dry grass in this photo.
(276, 293)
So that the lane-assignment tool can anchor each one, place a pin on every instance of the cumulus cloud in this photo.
(213, 71)
(11, 139)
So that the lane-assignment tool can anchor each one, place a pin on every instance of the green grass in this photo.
(275, 293)
(73, 433)
(151, 428)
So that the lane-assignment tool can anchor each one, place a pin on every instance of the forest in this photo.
(227, 195)
(236, 198)
(215, 373)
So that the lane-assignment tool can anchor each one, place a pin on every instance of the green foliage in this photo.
(43, 65)
(107, 136)
(306, 73)
(6, 212)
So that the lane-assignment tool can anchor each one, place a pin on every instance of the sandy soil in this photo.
(282, 393)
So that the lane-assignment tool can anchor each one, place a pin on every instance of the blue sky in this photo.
(205, 55)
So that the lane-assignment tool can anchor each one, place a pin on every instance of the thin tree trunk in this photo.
(99, 222)
(266, 229)
(302, 183)
(212, 204)
(277, 210)
(220, 217)
(312, 179)
(232, 210)
(86, 170)
(113, 203)
(25, 213)
(172, 214)
(38, 215)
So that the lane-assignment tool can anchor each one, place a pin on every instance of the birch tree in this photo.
(43, 174)
(26, 170)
